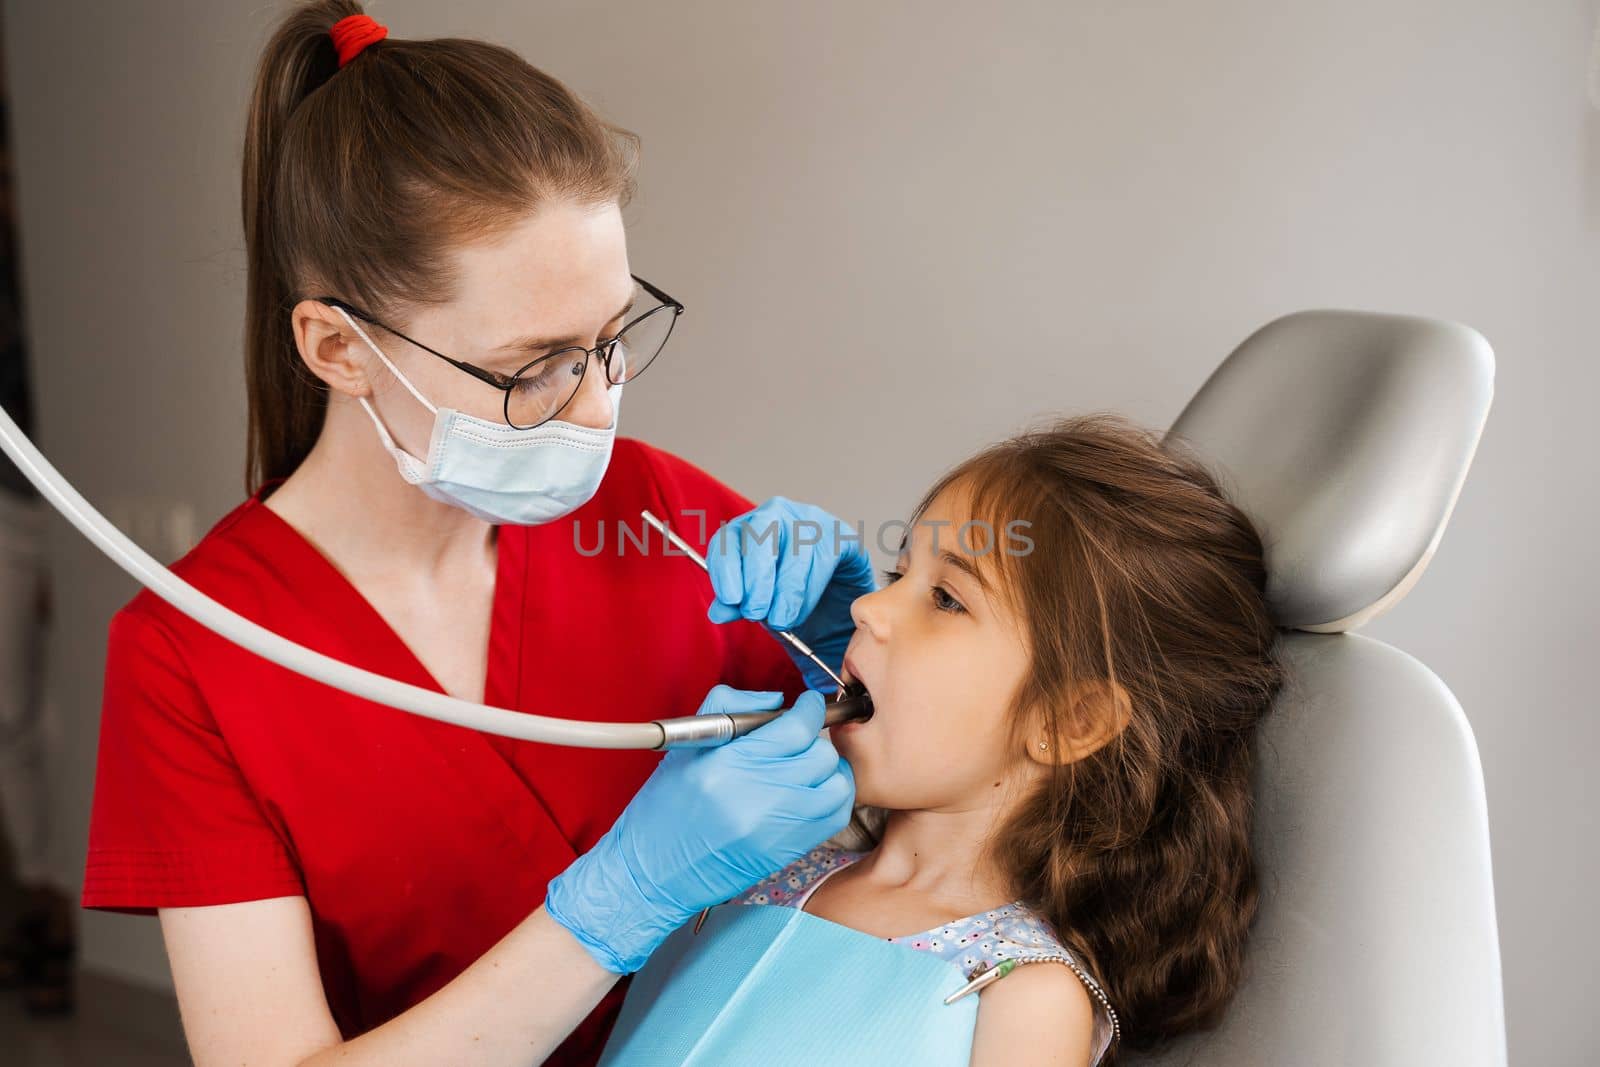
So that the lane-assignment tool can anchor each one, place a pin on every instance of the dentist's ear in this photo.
(1101, 709)
(331, 349)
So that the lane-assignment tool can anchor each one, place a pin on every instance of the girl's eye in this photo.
(942, 600)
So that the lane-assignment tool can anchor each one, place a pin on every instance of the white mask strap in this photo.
(392, 370)
(383, 431)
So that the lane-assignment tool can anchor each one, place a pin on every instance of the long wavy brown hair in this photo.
(1141, 573)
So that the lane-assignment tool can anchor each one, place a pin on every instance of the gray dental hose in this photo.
(694, 731)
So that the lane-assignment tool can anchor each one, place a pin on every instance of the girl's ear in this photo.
(1101, 709)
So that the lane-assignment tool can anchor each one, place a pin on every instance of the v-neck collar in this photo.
(494, 690)
(479, 759)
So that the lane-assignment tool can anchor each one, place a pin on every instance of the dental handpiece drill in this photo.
(851, 703)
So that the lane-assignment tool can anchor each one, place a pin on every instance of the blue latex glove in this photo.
(707, 824)
(793, 567)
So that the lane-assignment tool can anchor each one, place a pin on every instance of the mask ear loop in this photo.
(383, 431)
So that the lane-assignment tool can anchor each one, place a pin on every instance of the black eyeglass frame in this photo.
(506, 383)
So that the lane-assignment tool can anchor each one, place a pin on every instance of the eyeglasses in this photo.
(543, 387)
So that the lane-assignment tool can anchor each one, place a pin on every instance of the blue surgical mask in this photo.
(497, 472)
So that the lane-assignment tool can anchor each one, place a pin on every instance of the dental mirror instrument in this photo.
(683, 546)
(851, 703)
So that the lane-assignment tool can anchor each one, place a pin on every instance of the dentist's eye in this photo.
(945, 602)
(539, 381)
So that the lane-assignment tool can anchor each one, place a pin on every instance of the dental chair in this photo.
(1346, 437)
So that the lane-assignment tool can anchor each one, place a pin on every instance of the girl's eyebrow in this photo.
(529, 344)
(966, 566)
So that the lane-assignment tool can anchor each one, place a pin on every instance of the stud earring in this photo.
(1043, 745)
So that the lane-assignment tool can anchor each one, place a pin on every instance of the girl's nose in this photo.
(870, 615)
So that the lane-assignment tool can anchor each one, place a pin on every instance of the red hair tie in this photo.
(353, 33)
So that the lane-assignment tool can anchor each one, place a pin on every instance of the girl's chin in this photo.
(857, 739)
(846, 737)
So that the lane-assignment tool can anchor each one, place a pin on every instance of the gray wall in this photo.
(901, 231)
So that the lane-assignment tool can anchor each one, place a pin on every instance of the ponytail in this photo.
(286, 401)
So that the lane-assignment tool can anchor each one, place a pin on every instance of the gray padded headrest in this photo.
(1345, 436)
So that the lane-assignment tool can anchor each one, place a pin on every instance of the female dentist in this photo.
(341, 882)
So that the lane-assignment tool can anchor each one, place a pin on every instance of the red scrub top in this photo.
(417, 844)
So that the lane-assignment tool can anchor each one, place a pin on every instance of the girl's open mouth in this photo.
(854, 690)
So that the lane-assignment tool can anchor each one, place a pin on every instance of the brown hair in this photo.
(357, 181)
(1140, 572)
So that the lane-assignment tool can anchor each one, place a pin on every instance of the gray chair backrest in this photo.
(1346, 437)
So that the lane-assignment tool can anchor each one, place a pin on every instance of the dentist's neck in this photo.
(348, 499)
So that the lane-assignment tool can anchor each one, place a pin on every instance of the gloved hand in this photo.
(708, 824)
(791, 566)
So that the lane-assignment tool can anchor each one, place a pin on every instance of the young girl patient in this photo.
(1068, 663)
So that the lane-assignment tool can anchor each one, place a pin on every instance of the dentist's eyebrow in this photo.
(534, 344)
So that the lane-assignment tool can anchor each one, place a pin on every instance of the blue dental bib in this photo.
(776, 986)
